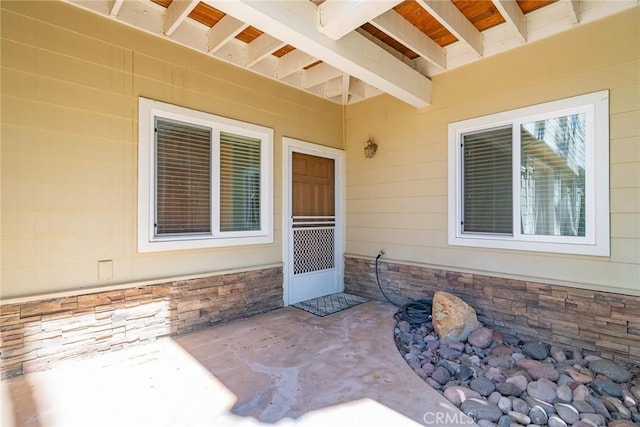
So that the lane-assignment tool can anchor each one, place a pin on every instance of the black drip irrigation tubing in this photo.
(415, 312)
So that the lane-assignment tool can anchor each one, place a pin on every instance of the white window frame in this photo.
(148, 111)
(596, 241)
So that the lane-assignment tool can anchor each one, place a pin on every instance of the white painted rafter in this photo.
(318, 74)
(226, 29)
(573, 8)
(334, 87)
(176, 13)
(294, 23)
(260, 48)
(513, 16)
(336, 18)
(114, 7)
(346, 78)
(357, 87)
(293, 61)
(393, 24)
(453, 20)
(373, 67)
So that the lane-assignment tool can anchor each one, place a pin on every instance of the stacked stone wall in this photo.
(603, 323)
(38, 334)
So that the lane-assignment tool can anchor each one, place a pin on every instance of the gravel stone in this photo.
(542, 390)
(628, 399)
(558, 354)
(579, 377)
(482, 385)
(449, 366)
(606, 388)
(556, 421)
(500, 362)
(564, 393)
(480, 408)
(504, 404)
(598, 406)
(491, 377)
(611, 369)
(521, 406)
(597, 419)
(567, 412)
(505, 421)
(583, 406)
(501, 350)
(519, 381)
(580, 392)
(509, 389)
(538, 415)
(538, 370)
(481, 337)
(536, 350)
(519, 417)
(458, 394)
(622, 423)
(441, 375)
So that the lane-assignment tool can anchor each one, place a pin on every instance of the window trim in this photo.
(148, 110)
(597, 237)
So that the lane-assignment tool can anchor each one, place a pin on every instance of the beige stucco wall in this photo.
(70, 82)
(397, 201)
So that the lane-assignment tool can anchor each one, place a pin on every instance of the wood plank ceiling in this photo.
(349, 50)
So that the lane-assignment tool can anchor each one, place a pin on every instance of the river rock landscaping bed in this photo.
(499, 380)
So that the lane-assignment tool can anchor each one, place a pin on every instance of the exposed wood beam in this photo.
(226, 29)
(574, 11)
(294, 22)
(319, 74)
(293, 61)
(336, 18)
(453, 20)
(177, 12)
(514, 17)
(114, 7)
(393, 24)
(260, 48)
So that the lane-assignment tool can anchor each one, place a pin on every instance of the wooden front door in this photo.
(312, 234)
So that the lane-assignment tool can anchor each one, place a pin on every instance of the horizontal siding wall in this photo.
(397, 201)
(70, 87)
(601, 323)
(39, 334)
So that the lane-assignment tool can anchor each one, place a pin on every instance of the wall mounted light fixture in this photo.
(370, 149)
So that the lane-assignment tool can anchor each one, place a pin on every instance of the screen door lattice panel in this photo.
(313, 249)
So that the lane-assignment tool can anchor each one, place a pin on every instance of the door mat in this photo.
(330, 304)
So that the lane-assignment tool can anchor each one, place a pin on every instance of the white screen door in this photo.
(314, 263)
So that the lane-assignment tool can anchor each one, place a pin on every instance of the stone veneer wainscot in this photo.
(597, 322)
(43, 332)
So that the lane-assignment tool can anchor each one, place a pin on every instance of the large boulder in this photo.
(453, 319)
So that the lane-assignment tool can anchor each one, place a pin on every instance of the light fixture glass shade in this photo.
(370, 149)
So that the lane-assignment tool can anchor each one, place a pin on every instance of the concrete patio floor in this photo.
(285, 367)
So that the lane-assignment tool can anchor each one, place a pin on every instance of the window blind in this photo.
(183, 178)
(239, 182)
(487, 181)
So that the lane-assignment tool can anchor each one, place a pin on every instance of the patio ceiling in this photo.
(349, 50)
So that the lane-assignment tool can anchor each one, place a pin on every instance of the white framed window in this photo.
(535, 178)
(203, 180)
